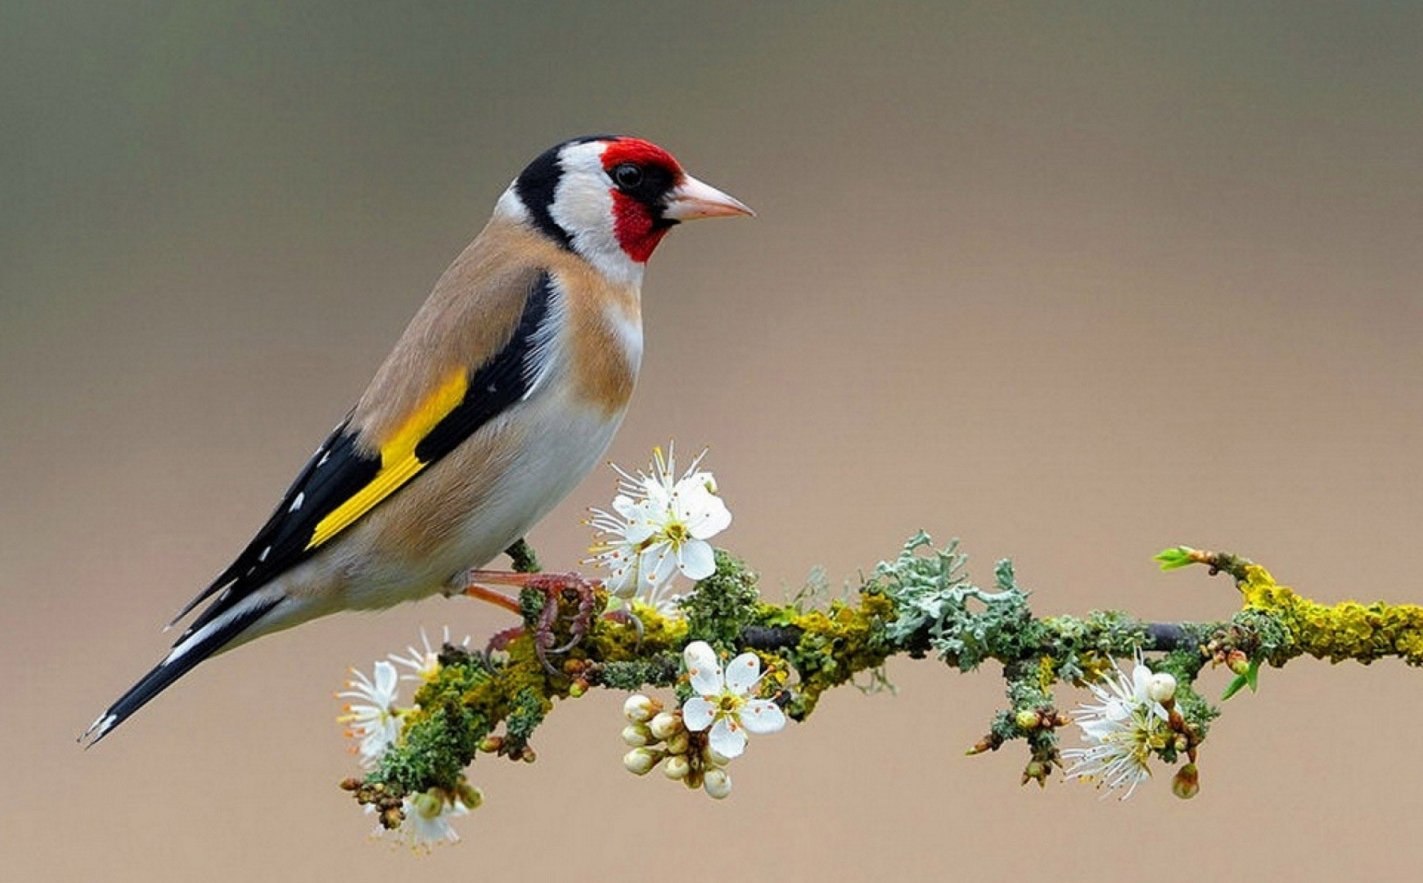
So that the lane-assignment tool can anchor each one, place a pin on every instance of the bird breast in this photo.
(497, 484)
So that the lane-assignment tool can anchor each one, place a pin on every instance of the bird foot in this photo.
(557, 591)
(627, 617)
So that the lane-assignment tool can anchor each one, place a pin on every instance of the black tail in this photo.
(188, 652)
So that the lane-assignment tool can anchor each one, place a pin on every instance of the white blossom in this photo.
(374, 721)
(659, 526)
(1121, 729)
(721, 701)
(424, 664)
(427, 820)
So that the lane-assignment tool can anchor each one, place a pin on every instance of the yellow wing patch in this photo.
(398, 463)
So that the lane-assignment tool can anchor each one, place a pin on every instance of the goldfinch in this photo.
(502, 393)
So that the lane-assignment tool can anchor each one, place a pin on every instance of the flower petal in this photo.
(742, 673)
(1141, 683)
(625, 506)
(762, 716)
(387, 681)
(707, 516)
(727, 738)
(703, 668)
(697, 714)
(623, 571)
(643, 525)
(696, 559)
(657, 565)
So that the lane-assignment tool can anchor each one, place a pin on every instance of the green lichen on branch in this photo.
(919, 603)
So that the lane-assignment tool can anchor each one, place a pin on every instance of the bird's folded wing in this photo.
(347, 477)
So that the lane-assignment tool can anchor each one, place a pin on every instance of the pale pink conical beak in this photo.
(694, 199)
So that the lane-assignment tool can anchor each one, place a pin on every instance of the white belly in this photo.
(552, 444)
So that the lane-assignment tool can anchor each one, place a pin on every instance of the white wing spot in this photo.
(265, 553)
(326, 455)
(296, 504)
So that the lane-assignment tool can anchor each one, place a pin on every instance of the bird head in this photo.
(611, 199)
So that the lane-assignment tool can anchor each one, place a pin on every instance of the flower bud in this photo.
(636, 735)
(712, 758)
(640, 709)
(987, 743)
(1162, 687)
(679, 743)
(1187, 782)
(717, 783)
(470, 796)
(428, 804)
(1237, 662)
(1027, 719)
(640, 761)
(1036, 771)
(676, 767)
(664, 724)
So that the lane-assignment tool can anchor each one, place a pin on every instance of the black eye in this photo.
(627, 175)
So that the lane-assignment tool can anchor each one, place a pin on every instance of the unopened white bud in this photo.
(636, 735)
(679, 743)
(717, 783)
(713, 759)
(664, 725)
(677, 767)
(639, 708)
(640, 761)
(1162, 687)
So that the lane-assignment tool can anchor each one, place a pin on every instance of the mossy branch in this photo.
(920, 604)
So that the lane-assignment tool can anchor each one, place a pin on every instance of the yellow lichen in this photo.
(1047, 673)
(1347, 630)
(613, 641)
(837, 644)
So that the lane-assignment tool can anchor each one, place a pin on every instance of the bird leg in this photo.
(556, 589)
(493, 596)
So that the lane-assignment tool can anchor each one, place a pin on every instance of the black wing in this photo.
(340, 469)
(336, 471)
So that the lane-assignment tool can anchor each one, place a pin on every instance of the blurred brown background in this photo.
(1073, 283)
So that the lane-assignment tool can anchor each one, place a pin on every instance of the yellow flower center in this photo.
(729, 704)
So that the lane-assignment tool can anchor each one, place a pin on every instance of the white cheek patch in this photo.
(583, 206)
